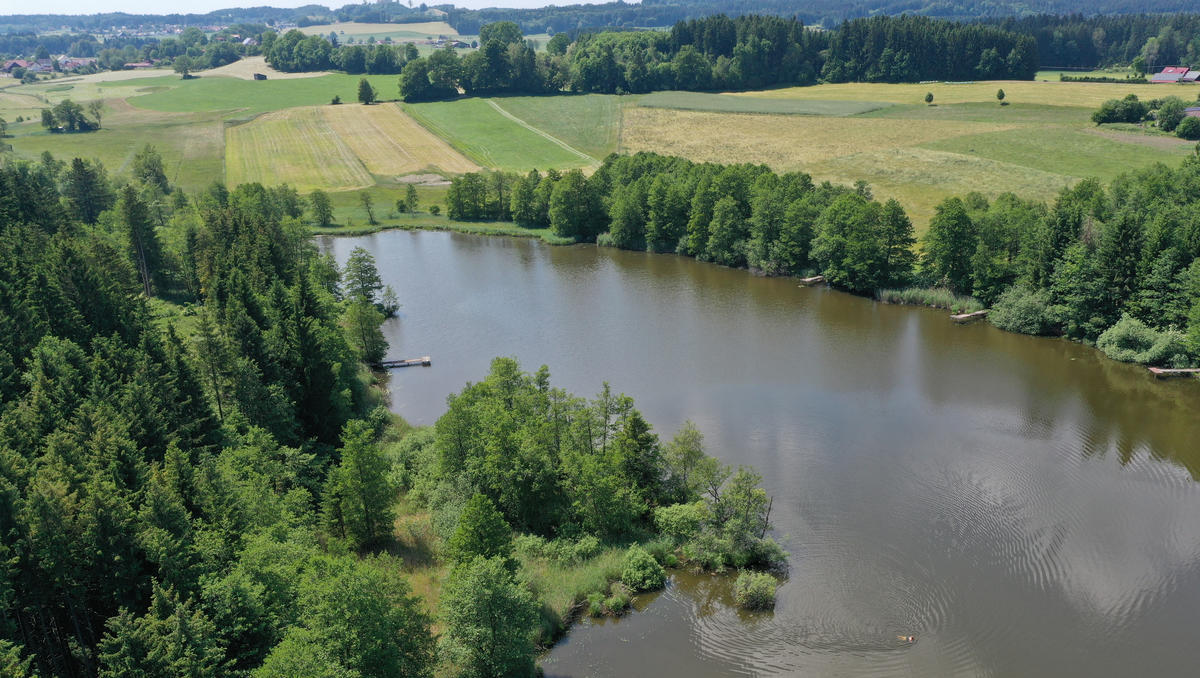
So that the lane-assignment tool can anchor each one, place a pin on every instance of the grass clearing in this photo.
(980, 111)
(589, 122)
(191, 144)
(485, 135)
(247, 98)
(725, 103)
(1072, 152)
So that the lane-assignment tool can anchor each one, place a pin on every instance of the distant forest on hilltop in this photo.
(648, 13)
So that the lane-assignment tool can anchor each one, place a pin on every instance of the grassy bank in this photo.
(937, 297)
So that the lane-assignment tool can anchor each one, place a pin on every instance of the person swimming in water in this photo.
(907, 639)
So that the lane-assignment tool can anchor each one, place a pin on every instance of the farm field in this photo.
(335, 148)
(727, 103)
(483, 132)
(588, 122)
(411, 31)
(282, 130)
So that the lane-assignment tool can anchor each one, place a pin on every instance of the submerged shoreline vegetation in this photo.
(190, 439)
(1070, 269)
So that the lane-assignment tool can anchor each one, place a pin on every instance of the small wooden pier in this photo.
(410, 362)
(1164, 373)
(815, 280)
(968, 317)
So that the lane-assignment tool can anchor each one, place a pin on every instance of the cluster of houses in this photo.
(65, 64)
(1175, 74)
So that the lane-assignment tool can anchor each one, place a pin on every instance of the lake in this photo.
(1023, 506)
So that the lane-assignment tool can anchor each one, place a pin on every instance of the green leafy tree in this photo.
(898, 242)
(368, 205)
(949, 245)
(1188, 128)
(360, 277)
(929, 98)
(357, 618)
(1000, 96)
(481, 532)
(359, 496)
(641, 572)
(410, 199)
(489, 618)
(321, 208)
(366, 93)
(183, 65)
(576, 210)
(1170, 113)
(172, 639)
(362, 322)
(148, 168)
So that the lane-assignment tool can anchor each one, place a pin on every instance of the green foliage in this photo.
(949, 245)
(1023, 310)
(1171, 111)
(481, 532)
(754, 591)
(1189, 128)
(1128, 109)
(358, 618)
(1131, 341)
(321, 209)
(681, 521)
(172, 639)
(489, 619)
(362, 322)
(642, 572)
(359, 498)
(366, 93)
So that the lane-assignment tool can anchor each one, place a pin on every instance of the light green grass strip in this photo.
(540, 133)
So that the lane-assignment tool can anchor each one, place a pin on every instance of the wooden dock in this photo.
(968, 317)
(1164, 373)
(411, 362)
(815, 280)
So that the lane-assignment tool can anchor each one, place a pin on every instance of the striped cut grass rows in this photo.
(335, 148)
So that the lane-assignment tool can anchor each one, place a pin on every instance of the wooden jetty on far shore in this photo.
(968, 317)
(411, 362)
(1163, 373)
(815, 280)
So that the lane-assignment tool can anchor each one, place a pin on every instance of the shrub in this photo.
(755, 591)
(1022, 310)
(1128, 109)
(1189, 128)
(642, 572)
(619, 599)
(595, 603)
(1132, 341)
(1170, 113)
(680, 521)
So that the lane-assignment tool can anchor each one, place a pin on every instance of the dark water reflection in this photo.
(1024, 506)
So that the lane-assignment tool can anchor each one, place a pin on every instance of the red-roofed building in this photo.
(1174, 74)
(15, 63)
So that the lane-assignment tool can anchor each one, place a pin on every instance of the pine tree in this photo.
(144, 248)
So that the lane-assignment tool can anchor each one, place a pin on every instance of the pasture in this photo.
(492, 137)
(726, 103)
(398, 32)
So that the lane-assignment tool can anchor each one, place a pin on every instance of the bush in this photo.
(564, 551)
(619, 599)
(1189, 128)
(1170, 113)
(755, 591)
(642, 572)
(1132, 341)
(595, 604)
(1022, 310)
(680, 521)
(1128, 109)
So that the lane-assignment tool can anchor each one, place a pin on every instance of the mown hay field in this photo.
(1085, 94)
(726, 103)
(380, 31)
(335, 148)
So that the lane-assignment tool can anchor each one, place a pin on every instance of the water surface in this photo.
(1024, 506)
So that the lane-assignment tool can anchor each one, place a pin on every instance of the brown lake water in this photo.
(1024, 506)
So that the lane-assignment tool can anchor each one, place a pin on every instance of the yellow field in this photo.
(388, 142)
(246, 67)
(430, 28)
(1086, 94)
(335, 148)
(784, 142)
